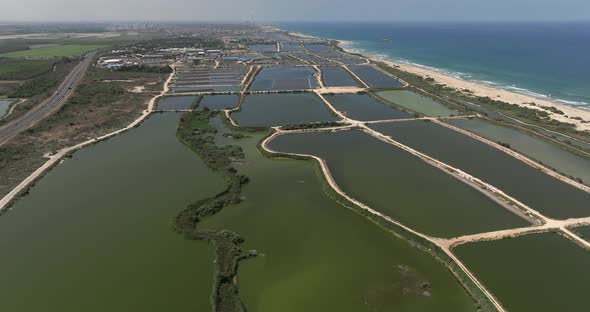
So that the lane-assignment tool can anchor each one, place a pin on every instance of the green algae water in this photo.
(545, 152)
(316, 255)
(416, 102)
(534, 188)
(176, 102)
(539, 272)
(265, 110)
(363, 107)
(95, 233)
(401, 185)
(219, 101)
(584, 232)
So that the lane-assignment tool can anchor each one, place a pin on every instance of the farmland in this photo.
(53, 51)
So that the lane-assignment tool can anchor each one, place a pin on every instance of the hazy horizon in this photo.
(266, 11)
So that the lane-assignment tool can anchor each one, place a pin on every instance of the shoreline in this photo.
(59, 155)
(476, 88)
(481, 90)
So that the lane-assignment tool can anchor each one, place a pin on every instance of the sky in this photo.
(294, 10)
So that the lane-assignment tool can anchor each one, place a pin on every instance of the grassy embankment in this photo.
(96, 108)
(196, 132)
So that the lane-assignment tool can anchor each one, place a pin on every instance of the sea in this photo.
(545, 60)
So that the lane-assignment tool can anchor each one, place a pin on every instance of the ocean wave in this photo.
(356, 47)
(471, 77)
(573, 103)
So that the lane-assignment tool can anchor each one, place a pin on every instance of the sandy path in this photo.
(319, 76)
(365, 85)
(20, 101)
(540, 222)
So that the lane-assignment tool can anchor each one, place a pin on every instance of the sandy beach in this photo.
(478, 89)
(483, 90)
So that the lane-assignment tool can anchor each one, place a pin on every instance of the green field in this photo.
(56, 51)
(19, 69)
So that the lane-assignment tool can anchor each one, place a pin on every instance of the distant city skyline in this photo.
(301, 10)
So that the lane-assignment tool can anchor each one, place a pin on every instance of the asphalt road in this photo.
(49, 106)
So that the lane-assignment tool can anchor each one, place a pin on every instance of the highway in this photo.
(49, 105)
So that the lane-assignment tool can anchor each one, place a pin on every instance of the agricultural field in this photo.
(22, 69)
(53, 51)
(417, 103)
(266, 110)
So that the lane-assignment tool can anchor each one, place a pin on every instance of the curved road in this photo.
(49, 105)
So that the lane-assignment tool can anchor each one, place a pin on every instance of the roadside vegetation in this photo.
(96, 108)
(196, 132)
(37, 88)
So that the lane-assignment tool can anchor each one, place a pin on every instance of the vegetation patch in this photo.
(54, 51)
(313, 125)
(94, 109)
(196, 132)
(19, 69)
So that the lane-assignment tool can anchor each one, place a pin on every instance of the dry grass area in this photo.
(96, 108)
